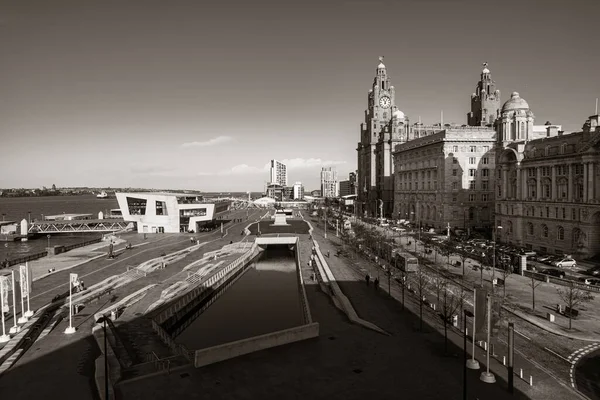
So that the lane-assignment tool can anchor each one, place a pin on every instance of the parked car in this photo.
(565, 262)
(553, 272)
(594, 271)
(586, 281)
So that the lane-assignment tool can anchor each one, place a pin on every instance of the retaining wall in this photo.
(245, 346)
(307, 317)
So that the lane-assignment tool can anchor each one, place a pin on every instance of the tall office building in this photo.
(329, 182)
(348, 187)
(278, 173)
(298, 191)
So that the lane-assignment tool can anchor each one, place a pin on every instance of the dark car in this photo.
(553, 272)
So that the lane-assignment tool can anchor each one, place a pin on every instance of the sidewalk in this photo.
(67, 361)
(370, 304)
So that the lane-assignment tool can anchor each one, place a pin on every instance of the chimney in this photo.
(551, 130)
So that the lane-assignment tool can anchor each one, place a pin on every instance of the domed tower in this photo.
(485, 102)
(516, 121)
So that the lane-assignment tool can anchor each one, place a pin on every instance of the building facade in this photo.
(444, 174)
(168, 212)
(329, 182)
(278, 173)
(298, 191)
(547, 196)
(446, 179)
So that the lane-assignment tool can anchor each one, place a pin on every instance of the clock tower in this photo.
(384, 127)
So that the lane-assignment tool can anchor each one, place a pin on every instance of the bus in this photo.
(406, 262)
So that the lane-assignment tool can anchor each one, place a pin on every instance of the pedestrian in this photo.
(376, 283)
(367, 278)
(327, 253)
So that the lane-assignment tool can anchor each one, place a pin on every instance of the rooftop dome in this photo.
(486, 71)
(515, 103)
(398, 114)
(381, 65)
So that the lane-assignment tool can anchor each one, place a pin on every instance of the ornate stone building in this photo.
(445, 176)
(385, 126)
(547, 195)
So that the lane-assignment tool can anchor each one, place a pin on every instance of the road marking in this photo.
(520, 334)
(555, 353)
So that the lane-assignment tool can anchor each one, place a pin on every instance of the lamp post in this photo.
(103, 320)
(494, 254)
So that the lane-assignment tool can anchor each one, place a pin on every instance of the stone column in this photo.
(553, 183)
(504, 181)
(519, 194)
(570, 184)
(538, 189)
(585, 181)
(590, 182)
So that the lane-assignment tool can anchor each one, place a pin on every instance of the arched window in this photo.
(522, 131)
(529, 228)
(509, 227)
(545, 231)
(563, 148)
(547, 151)
(560, 233)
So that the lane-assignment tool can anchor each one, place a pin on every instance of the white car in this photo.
(565, 262)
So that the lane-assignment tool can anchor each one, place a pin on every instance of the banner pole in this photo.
(473, 363)
(29, 313)
(23, 318)
(4, 338)
(70, 328)
(15, 328)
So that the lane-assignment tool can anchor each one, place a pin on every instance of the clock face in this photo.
(385, 102)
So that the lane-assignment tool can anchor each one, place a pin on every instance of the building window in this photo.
(472, 197)
(485, 185)
(499, 191)
(485, 172)
(531, 189)
(455, 161)
(485, 160)
(454, 199)
(562, 188)
(560, 233)
(486, 149)
(472, 172)
(529, 228)
(454, 185)
(472, 160)
(547, 212)
(573, 214)
(472, 185)
(472, 149)
(546, 190)
(485, 197)
(455, 149)
(545, 231)
(454, 172)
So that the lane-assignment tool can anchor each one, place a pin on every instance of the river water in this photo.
(265, 299)
(16, 209)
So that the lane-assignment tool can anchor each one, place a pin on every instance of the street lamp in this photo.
(494, 255)
(48, 236)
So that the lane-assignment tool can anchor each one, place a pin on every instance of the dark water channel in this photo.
(265, 299)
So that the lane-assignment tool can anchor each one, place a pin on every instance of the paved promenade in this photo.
(63, 365)
(346, 362)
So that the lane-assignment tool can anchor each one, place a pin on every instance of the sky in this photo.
(201, 95)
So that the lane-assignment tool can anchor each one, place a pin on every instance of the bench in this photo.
(571, 312)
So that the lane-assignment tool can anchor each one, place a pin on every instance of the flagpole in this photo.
(29, 313)
(15, 328)
(23, 318)
(4, 338)
(473, 363)
(70, 329)
(487, 376)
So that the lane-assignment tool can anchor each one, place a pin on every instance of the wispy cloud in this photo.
(294, 163)
(298, 163)
(158, 170)
(211, 142)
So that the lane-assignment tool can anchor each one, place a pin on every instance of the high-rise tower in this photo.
(485, 102)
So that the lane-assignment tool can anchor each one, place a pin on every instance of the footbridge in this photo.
(81, 226)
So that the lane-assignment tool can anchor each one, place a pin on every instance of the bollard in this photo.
(485, 346)
(503, 360)
(492, 350)
(466, 331)
(521, 373)
(530, 380)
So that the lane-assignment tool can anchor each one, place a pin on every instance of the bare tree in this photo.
(573, 297)
(422, 283)
(451, 303)
(533, 285)
(463, 257)
(505, 271)
(439, 285)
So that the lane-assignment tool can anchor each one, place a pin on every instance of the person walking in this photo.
(367, 278)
